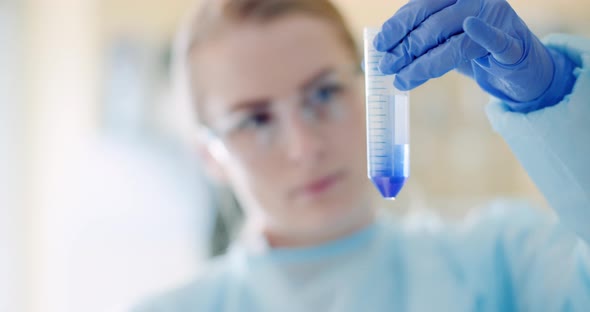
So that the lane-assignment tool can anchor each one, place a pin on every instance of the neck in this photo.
(291, 239)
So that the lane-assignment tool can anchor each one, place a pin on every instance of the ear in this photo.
(210, 154)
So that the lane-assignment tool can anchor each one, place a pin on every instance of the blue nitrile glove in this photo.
(484, 39)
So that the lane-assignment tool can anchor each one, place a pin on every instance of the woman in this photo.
(279, 98)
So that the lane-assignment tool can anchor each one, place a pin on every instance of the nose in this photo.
(304, 143)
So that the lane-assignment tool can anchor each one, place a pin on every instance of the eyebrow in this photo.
(321, 74)
(254, 104)
(263, 102)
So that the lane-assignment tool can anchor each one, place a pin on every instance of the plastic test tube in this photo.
(388, 144)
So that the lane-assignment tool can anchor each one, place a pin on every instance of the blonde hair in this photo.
(213, 16)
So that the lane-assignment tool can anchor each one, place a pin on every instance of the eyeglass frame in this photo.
(219, 138)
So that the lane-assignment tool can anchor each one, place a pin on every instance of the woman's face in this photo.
(284, 99)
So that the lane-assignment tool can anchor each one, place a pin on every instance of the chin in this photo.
(341, 210)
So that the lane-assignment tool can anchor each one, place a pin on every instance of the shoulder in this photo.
(499, 219)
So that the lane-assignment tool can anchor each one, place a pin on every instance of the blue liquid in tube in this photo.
(387, 108)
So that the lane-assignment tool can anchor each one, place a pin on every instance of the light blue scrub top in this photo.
(510, 258)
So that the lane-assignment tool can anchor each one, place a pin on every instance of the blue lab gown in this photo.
(510, 258)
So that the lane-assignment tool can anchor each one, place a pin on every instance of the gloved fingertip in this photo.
(384, 66)
(480, 32)
(471, 22)
(393, 63)
(380, 42)
(503, 47)
(406, 84)
(385, 69)
(401, 84)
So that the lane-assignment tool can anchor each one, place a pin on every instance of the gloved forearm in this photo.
(553, 144)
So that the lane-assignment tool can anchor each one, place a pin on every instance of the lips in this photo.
(320, 185)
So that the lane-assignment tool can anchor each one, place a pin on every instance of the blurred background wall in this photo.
(13, 218)
(101, 198)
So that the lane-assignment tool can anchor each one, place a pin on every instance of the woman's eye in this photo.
(257, 120)
(326, 93)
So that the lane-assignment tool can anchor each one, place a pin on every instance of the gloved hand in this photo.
(484, 39)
